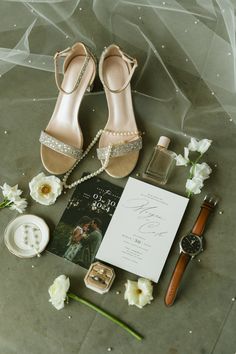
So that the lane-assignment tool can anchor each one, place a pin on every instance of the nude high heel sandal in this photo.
(62, 140)
(120, 139)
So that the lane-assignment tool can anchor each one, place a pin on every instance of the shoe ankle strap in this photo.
(132, 64)
(64, 53)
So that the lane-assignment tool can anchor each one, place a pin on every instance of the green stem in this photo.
(5, 203)
(193, 163)
(191, 174)
(189, 194)
(199, 157)
(105, 314)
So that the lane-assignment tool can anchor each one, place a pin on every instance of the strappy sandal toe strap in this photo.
(105, 155)
(120, 149)
(59, 146)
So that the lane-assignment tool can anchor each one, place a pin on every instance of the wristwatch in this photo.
(190, 246)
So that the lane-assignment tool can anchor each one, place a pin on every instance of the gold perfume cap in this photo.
(164, 142)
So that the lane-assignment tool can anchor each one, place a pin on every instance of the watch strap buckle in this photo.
(211, 199)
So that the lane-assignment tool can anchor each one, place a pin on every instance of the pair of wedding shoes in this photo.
(120, 140)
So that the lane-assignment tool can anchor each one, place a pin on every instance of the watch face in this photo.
(191, 244)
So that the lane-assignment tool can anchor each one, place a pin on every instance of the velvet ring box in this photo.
(99, 277)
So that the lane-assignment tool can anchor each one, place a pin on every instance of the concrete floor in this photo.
(202, 321)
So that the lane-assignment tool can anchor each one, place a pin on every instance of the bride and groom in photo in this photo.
(84, 241)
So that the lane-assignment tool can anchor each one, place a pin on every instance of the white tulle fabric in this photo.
(173, 41)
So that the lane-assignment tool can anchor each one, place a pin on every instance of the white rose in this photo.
(138, 293)
(58, 291)
(45, 189)
(194, 185)
(182, 160)
(201, 170)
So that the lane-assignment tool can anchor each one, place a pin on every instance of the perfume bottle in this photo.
(161, 163)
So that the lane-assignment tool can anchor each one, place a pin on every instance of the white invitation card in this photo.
(142, 229)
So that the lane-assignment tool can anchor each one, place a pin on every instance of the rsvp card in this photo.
(142, 229)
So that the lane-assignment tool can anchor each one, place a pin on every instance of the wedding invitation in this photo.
(79, 233)
(142, 229)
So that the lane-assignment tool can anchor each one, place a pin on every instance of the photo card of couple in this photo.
(142, 230)
(79, 233)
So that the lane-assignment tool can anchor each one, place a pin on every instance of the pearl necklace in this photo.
(106, 161)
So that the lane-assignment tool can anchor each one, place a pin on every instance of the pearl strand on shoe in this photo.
(93, 174)
(120, 133)
(68, 173)
(106, 162)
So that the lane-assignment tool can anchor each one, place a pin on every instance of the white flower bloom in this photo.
(182, 160)
(139, 293)
(45, 189)
(193, 145)
(9, 192)
(201, 146)
(201, 170)
(12, 199)
(194, 185)
(19, 204)
(58, 291)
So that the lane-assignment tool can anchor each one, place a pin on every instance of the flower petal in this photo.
(202, 170)
(139, 293)
(10, 192)
(146, 288)
(203, 145)
(181, 161)
(194, 185)
(19, 204)
(186, 153)
(193, 145)
(45, 189)
(58, 291)
(145, 285)
(131, 292)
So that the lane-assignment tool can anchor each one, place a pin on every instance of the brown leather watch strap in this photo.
(184, 258)
(200, 223)
(176, 278)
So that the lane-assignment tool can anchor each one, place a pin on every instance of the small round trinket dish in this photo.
(26, 236)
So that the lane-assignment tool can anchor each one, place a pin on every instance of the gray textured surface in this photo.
(202, 321)
(28, 322)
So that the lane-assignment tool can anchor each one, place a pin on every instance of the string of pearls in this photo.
(68, 173)
(106, 161)
(120, 133)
